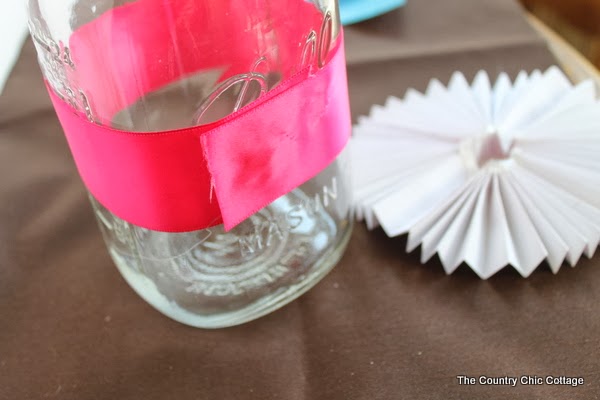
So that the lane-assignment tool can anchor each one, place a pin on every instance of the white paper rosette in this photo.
(489, 176)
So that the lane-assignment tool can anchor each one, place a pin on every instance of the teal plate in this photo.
(352, 11)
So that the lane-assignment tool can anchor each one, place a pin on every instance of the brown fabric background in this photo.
(380, 326)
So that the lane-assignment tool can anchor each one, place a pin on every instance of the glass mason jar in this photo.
(213, 278)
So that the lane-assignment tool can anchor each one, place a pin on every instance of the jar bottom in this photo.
(147, 289)
(214, 278)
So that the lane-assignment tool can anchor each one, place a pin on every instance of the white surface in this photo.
(487, 175)
(13, 31)
(55, 14)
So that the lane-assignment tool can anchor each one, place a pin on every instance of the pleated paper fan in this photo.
(491, 176)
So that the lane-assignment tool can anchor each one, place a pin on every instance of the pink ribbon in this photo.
(164, 181)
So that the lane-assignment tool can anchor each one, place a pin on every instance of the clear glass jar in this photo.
(212, 278)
